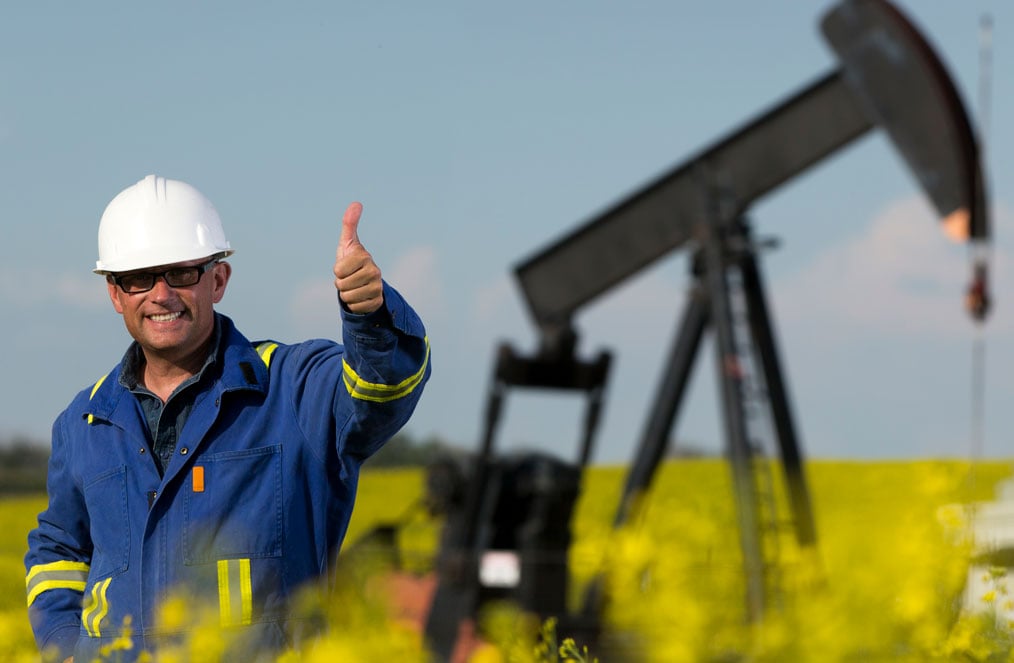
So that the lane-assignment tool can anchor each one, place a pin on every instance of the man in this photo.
(204, 465)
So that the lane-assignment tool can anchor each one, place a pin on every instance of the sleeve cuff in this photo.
(60, 644)
(395, 314)
(379, 318)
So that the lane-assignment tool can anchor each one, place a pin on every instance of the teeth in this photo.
(165, 317)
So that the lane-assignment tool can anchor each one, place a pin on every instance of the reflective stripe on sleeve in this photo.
(91, 418)
(382, 393)
(265, 350)
(235, 594)
(55, 575)
(97, 385)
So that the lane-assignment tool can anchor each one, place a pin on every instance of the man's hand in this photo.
(356, 276)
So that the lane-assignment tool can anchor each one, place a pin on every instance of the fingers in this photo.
(359, 283)
(357, 276)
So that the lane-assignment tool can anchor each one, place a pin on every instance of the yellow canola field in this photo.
(884, 584)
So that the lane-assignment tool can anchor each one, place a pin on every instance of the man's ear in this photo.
(114, 295)
(221, 273)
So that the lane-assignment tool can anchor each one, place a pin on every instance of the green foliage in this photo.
(404, 451)
(568, 651)
(22, 466)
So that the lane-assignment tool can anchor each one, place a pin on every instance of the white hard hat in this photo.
(158, 222)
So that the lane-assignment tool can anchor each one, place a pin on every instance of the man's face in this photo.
(172, 323)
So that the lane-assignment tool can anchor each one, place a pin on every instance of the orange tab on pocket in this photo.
(198, 475)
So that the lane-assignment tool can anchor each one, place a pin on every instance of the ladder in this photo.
(756, 409)
(752, 394)
(726, 296)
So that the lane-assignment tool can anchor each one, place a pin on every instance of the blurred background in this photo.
(475, 134)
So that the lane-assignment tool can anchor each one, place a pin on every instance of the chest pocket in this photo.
(106, 498)
(233, 506)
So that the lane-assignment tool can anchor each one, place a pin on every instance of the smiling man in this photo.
(204, 465)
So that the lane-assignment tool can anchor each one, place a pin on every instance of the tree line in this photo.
(23, 466)
(403, 450)
(23, 461)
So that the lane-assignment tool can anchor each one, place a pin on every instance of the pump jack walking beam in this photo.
(889, 78)
(660, 218)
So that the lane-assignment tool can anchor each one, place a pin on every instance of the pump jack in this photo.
(888, 77)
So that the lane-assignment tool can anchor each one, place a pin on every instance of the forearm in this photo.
(58, 559)
(386, 364)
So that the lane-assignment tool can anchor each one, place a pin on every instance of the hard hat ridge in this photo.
(158, 221)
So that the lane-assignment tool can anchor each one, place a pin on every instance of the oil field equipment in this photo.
(507, 528)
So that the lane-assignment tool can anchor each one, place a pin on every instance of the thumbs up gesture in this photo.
(356, 276)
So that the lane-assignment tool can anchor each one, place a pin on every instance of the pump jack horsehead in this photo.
(888, 77)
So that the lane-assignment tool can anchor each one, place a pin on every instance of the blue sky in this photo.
(475, 134)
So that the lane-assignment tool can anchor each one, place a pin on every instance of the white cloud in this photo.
(900, 276)
(83, 291)
(416, 276)
(33, 287)
(310, 316)
(497, 307)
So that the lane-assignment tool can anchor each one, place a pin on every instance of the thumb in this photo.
(349, 239)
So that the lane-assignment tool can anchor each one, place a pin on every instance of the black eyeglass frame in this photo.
(171, 281)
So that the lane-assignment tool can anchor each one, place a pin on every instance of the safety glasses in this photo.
(175, 277)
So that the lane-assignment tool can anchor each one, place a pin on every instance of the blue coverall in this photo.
(253, 505)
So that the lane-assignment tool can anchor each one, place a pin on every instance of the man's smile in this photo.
(165, 317)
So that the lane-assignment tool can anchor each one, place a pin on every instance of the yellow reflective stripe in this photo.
(46, 585)
(91, 605)
(91, 417)
(265, 350)
(96, 609)
(55, 575)
(97, 385)
(224, 603)
(245, 591)
(62, 565)
(382, 393)
(104, 610)
(235, 593)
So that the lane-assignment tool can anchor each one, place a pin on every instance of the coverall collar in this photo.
(242, 368)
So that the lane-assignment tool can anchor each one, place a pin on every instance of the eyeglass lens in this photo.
(177, 277)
